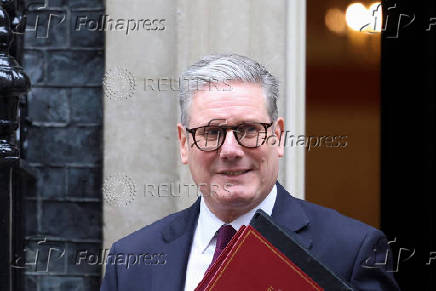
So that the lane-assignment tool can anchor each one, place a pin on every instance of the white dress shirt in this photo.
(204, 240)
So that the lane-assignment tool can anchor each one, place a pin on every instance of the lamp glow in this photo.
(335, 20)
(357, 16)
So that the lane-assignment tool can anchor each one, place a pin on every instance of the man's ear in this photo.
(183, 143)
(279, 131)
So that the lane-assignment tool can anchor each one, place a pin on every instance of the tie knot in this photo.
(225, 234)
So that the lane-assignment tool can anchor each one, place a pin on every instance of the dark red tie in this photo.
(225, 234)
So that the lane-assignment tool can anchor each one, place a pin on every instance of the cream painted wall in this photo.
(140, 145)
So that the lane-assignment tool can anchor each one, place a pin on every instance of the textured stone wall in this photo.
(63, 145)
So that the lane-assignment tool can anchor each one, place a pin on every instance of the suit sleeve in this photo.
(110, 280)
(373, 268)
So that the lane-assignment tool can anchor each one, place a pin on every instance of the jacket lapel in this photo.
(177, 239)
(289, 214)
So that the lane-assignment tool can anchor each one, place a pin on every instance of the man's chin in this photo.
(234, 195)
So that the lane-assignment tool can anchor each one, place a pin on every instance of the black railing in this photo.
(14, 84)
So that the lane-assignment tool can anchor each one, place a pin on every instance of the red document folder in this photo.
(251, 262)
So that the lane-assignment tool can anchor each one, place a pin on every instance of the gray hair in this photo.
(227, 67)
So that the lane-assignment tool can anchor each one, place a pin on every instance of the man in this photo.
(229, 136)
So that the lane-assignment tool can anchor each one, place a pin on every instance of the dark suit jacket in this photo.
(155, 257)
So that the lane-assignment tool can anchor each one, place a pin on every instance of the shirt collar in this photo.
(208, 223)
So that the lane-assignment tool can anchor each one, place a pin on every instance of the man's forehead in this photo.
(243, 103)
(241, 95)
(202, 120)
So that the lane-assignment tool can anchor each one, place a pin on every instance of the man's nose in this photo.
(231, 149)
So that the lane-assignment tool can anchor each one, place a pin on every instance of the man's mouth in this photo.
(234, 172)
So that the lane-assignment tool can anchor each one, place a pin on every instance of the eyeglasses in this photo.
(211, 137)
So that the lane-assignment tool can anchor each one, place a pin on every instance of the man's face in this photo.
(237, 178)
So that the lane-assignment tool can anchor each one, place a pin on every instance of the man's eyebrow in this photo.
(251, 121)
(243, 122)
(225, 123)
(237, 122)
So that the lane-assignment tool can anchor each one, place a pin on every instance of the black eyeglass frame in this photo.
(225, 128)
